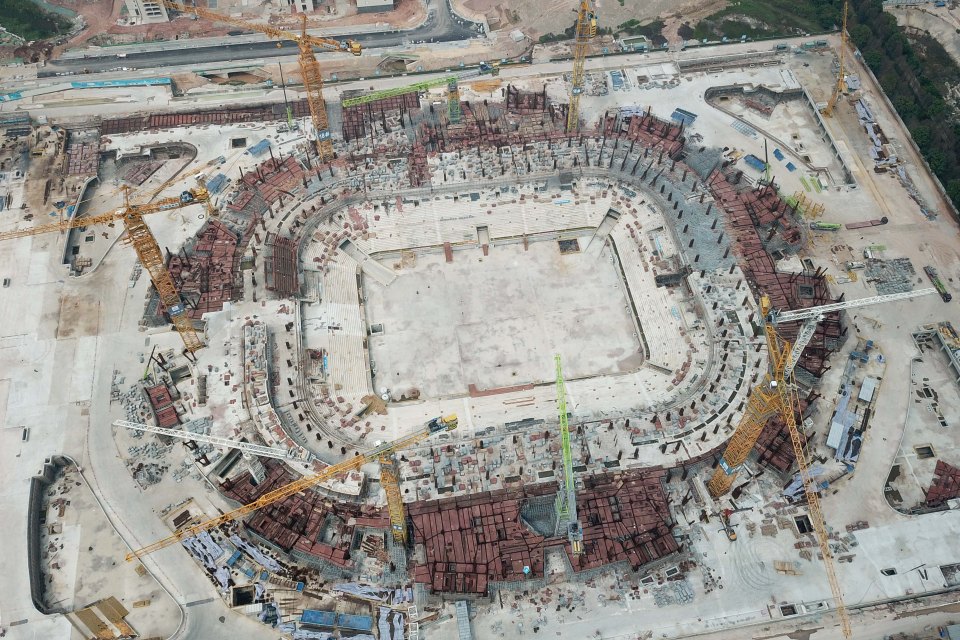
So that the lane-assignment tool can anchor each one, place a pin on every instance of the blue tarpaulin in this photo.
(259, 148)
(683, 116)
(316, 618)
(754, 162)
(216, 183)
(134, 82)
(354, 623)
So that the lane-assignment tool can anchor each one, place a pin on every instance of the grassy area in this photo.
(29, 21)
(764, 18)
(652, 30)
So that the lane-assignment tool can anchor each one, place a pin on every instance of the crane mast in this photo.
(437, 425)
(309, 67)
(838, 87)
(769, 397)
(138, 235)
(566, 503)
(586, 30)
(390, 481)
(776, 395)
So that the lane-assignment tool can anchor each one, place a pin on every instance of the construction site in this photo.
(651, 345)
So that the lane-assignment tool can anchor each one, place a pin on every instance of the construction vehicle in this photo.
(776, 395)
(935, 280)
(309, 67)
(727, 527)
(586, 30)
(838, 86)
(565, 504)
(148, 251)
(437, 425)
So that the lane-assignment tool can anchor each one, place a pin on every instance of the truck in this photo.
(938, 283)
(727, 527)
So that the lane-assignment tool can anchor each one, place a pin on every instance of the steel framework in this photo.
(776, 395)
(437, 425)
(390, 482)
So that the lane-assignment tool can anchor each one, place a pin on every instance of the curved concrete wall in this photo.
(81, 198)
(38, 485)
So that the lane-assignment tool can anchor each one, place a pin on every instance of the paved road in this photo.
(441, 26)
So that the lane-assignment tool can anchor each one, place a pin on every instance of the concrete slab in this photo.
(496, 321)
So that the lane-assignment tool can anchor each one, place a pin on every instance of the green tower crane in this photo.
(566, 502)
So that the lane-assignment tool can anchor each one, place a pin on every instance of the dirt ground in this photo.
(540, 17)
(695, 14)
(79, 317)
(406, 14)
(102, 15)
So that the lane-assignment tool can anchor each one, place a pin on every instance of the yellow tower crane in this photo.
(838, 86)
(586, 30)
(138, 235)
(776, 395)
(309, 67)
(437, 425)
(390, 481)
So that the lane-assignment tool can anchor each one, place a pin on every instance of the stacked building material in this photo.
(82, 158)
(261, 113)
(273, 179)
(206, 275)
(945, 485)
(138, 172)
(475, 540)
(161, 404)
(316, 529)
(752, 212)
(280, 265)
(774, 447)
